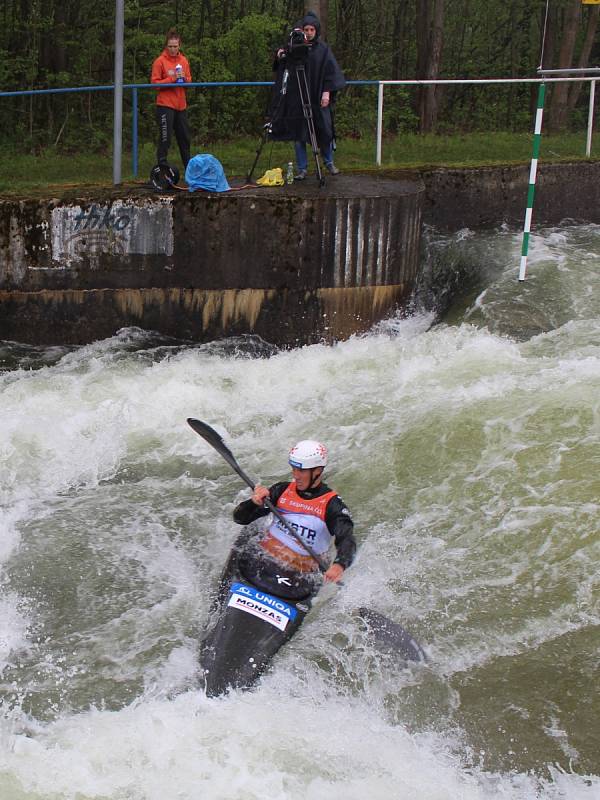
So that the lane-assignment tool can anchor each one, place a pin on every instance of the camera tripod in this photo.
(300, 72)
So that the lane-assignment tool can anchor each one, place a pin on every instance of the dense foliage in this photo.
(45, 43)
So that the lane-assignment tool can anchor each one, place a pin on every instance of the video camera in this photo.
(297, 47)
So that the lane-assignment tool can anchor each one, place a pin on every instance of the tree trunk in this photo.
(397, 39)
(343, 31)
(321, 9)
(558, 105)
(430, 37)
(550, 42)
(225, 15)
(584, 56)
(205, 13)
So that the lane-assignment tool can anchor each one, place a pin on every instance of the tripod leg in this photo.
(308, 116)
(265, 136)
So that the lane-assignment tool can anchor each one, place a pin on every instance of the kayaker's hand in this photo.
(259, 495)
(334, 573)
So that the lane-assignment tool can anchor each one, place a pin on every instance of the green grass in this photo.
(52, 173)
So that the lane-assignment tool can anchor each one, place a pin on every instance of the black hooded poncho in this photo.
(323, 74)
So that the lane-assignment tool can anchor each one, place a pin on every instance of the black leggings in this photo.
(170, 121)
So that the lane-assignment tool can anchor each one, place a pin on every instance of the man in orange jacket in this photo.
(172, 67)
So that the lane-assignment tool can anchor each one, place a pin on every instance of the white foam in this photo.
(254, 745)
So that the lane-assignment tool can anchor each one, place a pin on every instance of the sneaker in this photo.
(332, 169)
(301, 175)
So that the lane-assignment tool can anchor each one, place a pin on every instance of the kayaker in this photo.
(315, 511)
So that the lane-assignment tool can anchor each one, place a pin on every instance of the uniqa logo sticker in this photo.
(262, 605)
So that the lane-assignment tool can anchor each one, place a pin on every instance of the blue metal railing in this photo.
(134, 87)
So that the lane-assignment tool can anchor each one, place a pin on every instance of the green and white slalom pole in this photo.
(537, 136)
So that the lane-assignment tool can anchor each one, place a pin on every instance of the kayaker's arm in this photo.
(247, 511)
(339, 521)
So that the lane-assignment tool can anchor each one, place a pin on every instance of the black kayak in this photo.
(260, 605)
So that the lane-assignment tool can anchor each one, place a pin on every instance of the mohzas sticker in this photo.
(262, 605)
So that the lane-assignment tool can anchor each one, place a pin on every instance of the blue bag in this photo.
(206, 172)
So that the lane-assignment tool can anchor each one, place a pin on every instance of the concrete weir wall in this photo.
(486, 197)
(294, 265)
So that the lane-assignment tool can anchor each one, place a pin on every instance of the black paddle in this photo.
(388, 633)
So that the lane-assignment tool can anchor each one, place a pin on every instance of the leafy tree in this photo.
(46, 43)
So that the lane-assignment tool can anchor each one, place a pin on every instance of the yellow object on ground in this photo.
(272, 177)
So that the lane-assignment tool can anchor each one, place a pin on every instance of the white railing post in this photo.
(379, 122)
(590, 128)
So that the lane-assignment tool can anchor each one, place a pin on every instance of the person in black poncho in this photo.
(324, 78)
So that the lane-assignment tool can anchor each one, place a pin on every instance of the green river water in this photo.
(468, 451)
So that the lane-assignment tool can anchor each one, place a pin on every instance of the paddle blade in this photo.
(208, 433)
(214, 440)
(391, 635)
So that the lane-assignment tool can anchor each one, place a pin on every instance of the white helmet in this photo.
(308, 454)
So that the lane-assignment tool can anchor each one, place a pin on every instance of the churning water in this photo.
(469, 453)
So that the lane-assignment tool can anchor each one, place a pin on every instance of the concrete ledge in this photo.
(294, 264)
(289, 318)
(487, 196)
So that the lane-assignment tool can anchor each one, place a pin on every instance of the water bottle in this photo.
(289, 173)
(179, 74)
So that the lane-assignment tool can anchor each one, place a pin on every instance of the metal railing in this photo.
(482, 81)
(381, 84)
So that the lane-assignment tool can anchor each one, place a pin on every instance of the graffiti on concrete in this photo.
(122, 228)
(101, 219)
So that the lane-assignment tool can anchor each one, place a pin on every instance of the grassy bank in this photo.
(51, 171)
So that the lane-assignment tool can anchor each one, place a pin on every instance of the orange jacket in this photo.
(163, 71)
